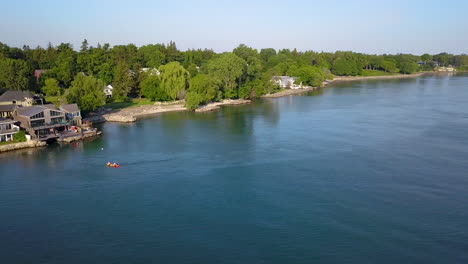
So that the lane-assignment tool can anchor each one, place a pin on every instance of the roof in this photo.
(10, 95)
(69, 108)
(35, 109)
(284, 78)
(7, 108)
(6, 121)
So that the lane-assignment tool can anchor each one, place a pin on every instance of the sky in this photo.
(373, 27)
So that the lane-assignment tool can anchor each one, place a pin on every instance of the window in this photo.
(56, 120)
(39, 115)
(55, 113)
(37, 123)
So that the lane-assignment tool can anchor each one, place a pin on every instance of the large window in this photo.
(55, 113)
(39, 115)
(56, 120)
(37, 123)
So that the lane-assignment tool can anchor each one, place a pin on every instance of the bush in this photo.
(19, 137)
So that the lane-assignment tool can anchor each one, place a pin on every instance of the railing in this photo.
(49, 125)
(9, 131)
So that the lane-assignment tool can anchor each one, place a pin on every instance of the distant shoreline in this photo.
(131, 114)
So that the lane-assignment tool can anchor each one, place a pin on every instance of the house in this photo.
(108, 91)
(450, 68)
(41, 121)
(152, 71)
(286, 82)
(6, 111)
(21, 98)
(72, 114)
(7, 129)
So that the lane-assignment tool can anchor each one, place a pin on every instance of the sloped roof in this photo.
(35, 109)
(69, 108)
(284, 78)
(9, 96)
(6, 108)
(29, 110)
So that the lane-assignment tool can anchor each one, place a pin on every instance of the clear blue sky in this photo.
(397, 26)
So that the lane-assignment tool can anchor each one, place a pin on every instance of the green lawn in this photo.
(376, 73)
(128, 103)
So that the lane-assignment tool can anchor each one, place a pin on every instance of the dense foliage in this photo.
(162, 72)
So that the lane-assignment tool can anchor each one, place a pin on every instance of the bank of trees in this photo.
(162, 72)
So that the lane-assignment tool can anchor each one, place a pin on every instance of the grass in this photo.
(17, 138)
(128, 103)
(376, 73)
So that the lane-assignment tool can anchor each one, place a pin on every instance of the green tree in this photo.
(408, 67)
(14, 74)
(345, 66)
(388, 66)
(52, 87)
(227, 69)
(310, 75)
(266, 54)
(174, 79)
(123, 81)
(150, 88)
(87, 92)
(203, 89)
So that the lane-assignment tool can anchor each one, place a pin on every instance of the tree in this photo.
(310, 75)
(227, 69)
(14, 74)
(388, 66)
(345, 66)
(174, 79)
(84, 46)
(266, 54)
(203, 89)
(408, 67)
(52, 87)
(150, 88)
(87, 92)
(123, 81)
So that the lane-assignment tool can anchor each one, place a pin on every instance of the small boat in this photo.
(113, 165)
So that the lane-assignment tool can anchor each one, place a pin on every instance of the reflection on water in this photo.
(374, 167)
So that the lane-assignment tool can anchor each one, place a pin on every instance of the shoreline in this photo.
(132, 114)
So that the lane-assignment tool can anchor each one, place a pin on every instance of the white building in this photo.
(286, 82)
(152, 71)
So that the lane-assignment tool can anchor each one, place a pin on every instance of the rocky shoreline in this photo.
(22, 145)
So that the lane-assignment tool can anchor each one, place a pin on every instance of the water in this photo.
(362, 172)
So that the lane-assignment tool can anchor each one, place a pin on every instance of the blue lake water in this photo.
(360, 172)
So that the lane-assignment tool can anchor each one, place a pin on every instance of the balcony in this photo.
(50, 125)
(9, 131)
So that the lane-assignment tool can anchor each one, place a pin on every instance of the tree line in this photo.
(162, 72)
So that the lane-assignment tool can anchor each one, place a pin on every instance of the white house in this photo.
(286, 82)
(152, 71)
(7, 129)
(108, 91)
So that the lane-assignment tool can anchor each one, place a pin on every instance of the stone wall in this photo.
(21, 145)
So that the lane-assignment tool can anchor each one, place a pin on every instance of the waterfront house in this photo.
(108, 91)
(286, 82)
(41, 121)
(7, 129)
(72, 114)
(6, 111)
(20, 98)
